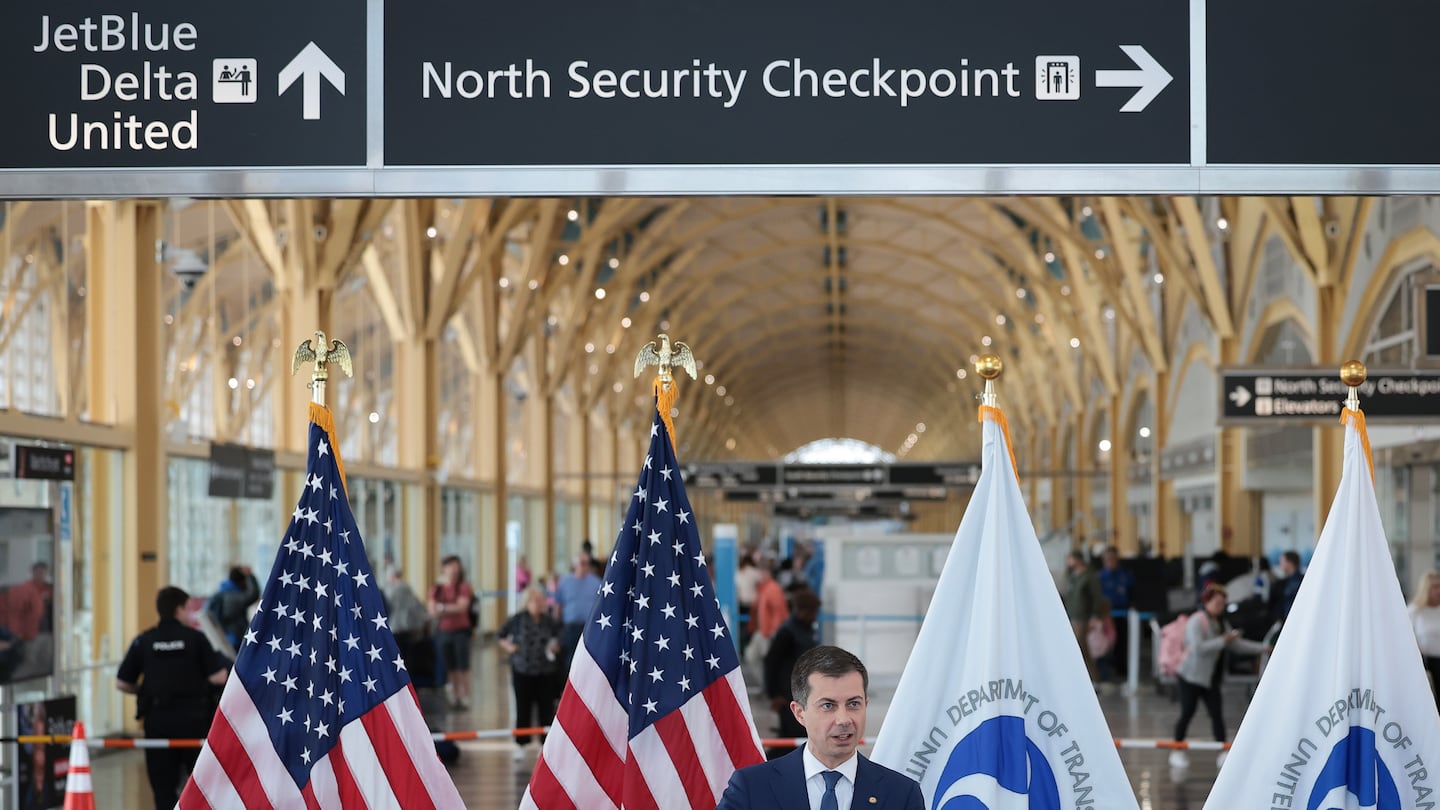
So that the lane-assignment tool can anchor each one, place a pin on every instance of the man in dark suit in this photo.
(828, 772)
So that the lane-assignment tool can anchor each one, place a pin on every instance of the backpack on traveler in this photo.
(1172, 647)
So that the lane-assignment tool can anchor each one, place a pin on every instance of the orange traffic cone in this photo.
(79, 792)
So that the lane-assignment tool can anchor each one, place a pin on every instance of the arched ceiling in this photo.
(820, 316)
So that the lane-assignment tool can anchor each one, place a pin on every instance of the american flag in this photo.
(319, 711)
(655, 713)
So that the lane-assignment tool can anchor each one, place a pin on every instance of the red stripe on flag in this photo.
(546, 791)
(308, 794)
(395, 761)
(350, 795)
(637, 790)
(235, 760)
(589, 739)
(681, 747)
(191, 798)
(730, 720)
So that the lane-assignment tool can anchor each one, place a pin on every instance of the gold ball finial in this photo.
(1353, 373)
(989, 366)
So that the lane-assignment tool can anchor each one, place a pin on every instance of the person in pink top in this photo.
(770, 608)
(450, 605)
(27, 603)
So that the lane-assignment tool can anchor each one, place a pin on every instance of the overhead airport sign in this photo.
(170, 84)
(1252, 395)
(899, 477)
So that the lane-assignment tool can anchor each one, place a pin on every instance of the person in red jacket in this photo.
(450, 605)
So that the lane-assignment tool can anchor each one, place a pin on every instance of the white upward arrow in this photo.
(311, 64)
(1240, 396)
(1149, 80)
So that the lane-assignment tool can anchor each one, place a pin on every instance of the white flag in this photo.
(995, 703)
(1343, 717)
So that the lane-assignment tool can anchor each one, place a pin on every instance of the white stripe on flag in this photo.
(573, 772)
(254, 735)
(590, 683)
(323, 784)
(709, 746)
(365, 767)
(215, 786)
(653, 759)
(415, 736)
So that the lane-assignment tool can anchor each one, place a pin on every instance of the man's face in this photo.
(1286, 567)
(1112, 560)
(833, 717)
(41, 574)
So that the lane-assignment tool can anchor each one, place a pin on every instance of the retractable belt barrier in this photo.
(506, 733)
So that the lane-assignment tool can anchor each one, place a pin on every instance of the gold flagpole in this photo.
(989, 367)
(1353, 374)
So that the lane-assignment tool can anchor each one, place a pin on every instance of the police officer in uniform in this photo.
(173, 669)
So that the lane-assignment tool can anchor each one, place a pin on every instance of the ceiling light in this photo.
(600, 293)
(564, 259)
(1222, 223)
(1105, 445)
(614, 263)
(1049, 257)
(374, 417)
(572, 215)
(432, 232)
(234, 383)
(1074, 343)
(1144, 432)
(985, 341)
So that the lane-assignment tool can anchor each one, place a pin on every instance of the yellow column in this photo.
(1122, 523)
(127, 383)
(1084, 454)
(502, 492)
(1165, 509)
(1328, 443)
(417, 385)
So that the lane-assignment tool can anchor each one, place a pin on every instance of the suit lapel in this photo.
(788, 781)
(866, 786)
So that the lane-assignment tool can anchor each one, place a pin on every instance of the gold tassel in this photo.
(665, 403)
(320, 415)
(1358, 417)
(998, 416)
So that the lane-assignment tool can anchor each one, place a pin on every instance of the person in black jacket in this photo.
(795, 636)
(230, 606)
(172, 668)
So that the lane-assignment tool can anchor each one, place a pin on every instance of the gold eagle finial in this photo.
(666, 358)
(337, 353)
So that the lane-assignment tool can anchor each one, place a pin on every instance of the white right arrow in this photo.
(1149, 80)
(1240, 396)
(311, 64)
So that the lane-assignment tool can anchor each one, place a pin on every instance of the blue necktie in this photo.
(829, 801)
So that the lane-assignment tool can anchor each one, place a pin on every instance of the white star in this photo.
(330, 663)
(323, 730)
(327, 697)
(329, 527)
(374, 653)
(268, 675)
(351, 642)
(323, 449)
(296, 616)
(692, 622)
(666, 472)
(603, 621)
(315, 622)
(325, 556)
(689, 653)
(661, 505)
(291, 545)
(624, 656)
(285, 716)
(285, 578)
(333, 493)
(637, 634)
(304, 584)
(697, 590)
(654, 538)
(700, 559)
(344, 676)
(274, 643)
(250, 636)
(650, 706)
(355, 611)
(674, 579)
(684, 517)
(294, 649)
(369, 684)
(312, 517)
(642, 602)
(607, 588)
(654, 428)
(315, 482)
(662, 643)
(361, 579)
(342, 706)
(379, 621)
(305, 756)
(342, 568)
(307, 717)
(313, 654)
(333, 634)
(685, 684)
(322, 590)
(637, 527)
(668, 610)
(289, 684)
(648, 569)
(399, 663)
(647, 463)
(713, 662)
(308, 550)
(297, 514)
(280, 610)
(718, 630)
(656, 674)
(633, 665)
(679, 547)
(345, 535)
(640, 493)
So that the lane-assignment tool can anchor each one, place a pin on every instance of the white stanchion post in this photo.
(1132, 653)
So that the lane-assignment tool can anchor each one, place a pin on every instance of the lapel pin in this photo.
(873, 800)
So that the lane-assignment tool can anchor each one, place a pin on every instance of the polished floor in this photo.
(491, 778)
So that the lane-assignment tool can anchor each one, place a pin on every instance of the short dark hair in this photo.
(1293, 557)
(1212, 589)
(826, 660)
(169, 600)
(237, 576)
(455, 558)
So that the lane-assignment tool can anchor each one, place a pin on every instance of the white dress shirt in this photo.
(815, 783)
